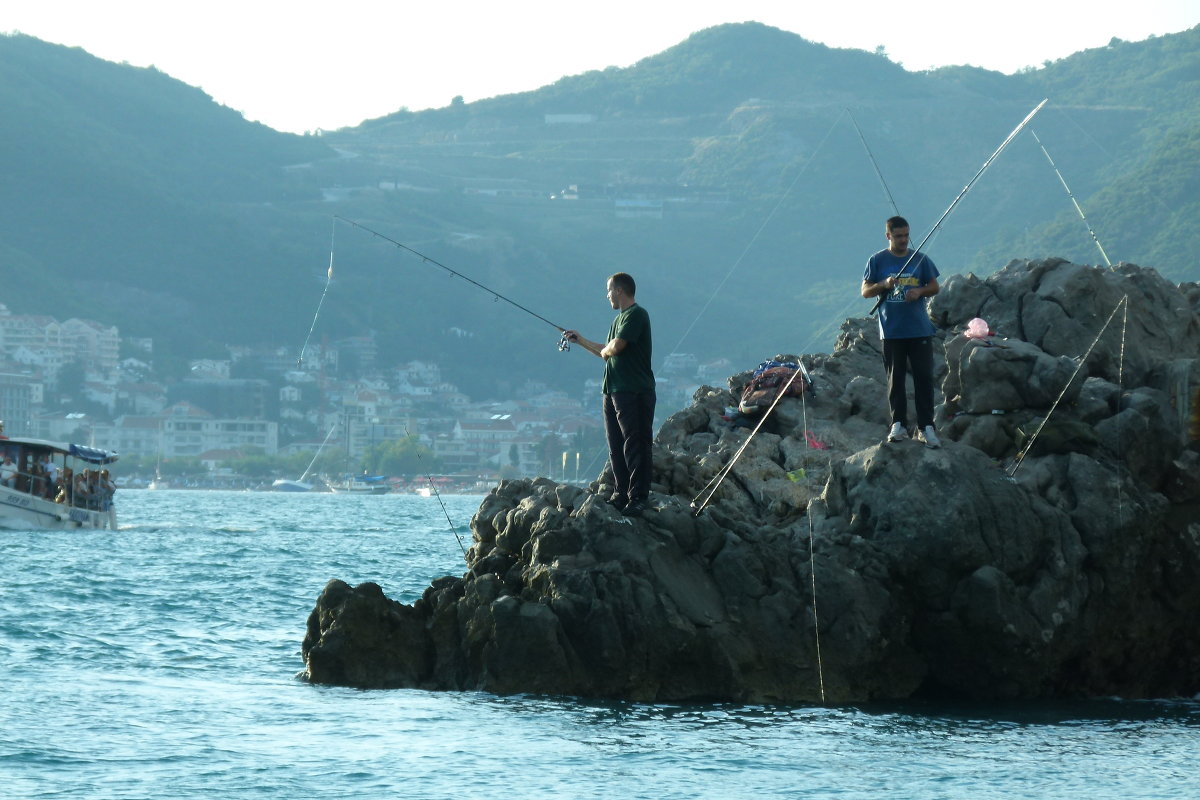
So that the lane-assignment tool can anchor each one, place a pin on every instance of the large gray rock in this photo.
(1047, 550)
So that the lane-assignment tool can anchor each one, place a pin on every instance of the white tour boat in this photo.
(33, 494)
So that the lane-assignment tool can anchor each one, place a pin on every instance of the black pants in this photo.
(629, 426)
(898, 356)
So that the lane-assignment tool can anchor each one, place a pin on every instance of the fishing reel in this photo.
(564, 344)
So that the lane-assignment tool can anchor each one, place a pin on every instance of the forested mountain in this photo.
(125, 194)
(726, 173)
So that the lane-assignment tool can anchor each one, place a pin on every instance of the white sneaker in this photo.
(897, 433)
(930, 438)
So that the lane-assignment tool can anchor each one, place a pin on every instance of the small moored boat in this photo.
(362, 484)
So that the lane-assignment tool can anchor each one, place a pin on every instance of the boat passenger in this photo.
(94, 493)
(8, 472)
(79, 489)
(107, 490)
(51, 475)
(37, 480)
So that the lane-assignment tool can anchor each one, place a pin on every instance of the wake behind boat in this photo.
(49, 485)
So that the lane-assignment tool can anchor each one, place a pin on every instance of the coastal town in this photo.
(80, 381)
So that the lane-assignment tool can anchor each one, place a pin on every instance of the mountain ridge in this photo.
(128, 185)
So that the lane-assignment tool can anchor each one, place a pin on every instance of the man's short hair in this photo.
(896, 222)
(624, 282)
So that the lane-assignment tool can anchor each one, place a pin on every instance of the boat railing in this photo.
(98, 498)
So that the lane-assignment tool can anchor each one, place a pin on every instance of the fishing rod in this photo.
(563, 343)
(962, 194)
(874, 164)
(697, 505)
(1071, 195)
(723, 473)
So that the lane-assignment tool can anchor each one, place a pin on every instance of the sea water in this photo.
(160, 660)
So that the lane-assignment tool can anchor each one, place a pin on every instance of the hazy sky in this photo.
(300, 65)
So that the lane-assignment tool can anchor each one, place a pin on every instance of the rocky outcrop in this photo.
(1035, 554)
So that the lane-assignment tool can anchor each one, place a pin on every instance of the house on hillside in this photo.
(141, 398)
(17, 397)
(95, 346)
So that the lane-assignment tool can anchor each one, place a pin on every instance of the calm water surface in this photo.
(160, 660)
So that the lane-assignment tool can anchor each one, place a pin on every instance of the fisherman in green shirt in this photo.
(629, 398)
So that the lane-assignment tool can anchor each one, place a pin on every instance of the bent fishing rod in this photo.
(961, 194)
(563, 343)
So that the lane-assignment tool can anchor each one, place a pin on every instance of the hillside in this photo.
(127, 192)
(736, 188)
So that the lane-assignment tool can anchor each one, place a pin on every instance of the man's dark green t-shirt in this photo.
(629, 370)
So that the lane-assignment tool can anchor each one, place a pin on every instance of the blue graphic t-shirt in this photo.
(897, 318)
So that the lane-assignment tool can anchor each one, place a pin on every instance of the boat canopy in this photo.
(92, 455)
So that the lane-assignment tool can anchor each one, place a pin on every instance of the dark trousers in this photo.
(629, 427)
(898, 356)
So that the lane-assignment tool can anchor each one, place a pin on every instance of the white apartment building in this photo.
(185, 430)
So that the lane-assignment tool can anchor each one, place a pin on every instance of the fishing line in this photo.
(874, 164)
(724, 472)
(328, 280)
(758, 233)
(1063, 181)
(1028, 445)
(1120, 389)
(603, 451)
(812, 562)
(961, 194)
(563, 344)
(842, 313)
(438, 495)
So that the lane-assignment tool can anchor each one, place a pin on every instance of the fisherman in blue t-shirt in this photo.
(904, 326)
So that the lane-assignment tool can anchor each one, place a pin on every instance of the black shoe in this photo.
(635, 508)
(617, 501)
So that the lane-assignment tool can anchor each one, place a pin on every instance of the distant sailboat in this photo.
(158, 482)
(299, 485)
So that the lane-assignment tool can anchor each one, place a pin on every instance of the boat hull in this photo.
(360, 489)
(23, 512)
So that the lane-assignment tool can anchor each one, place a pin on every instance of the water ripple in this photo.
(161, 659)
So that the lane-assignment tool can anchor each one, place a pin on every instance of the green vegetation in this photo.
(134, 199)
(405, 456)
